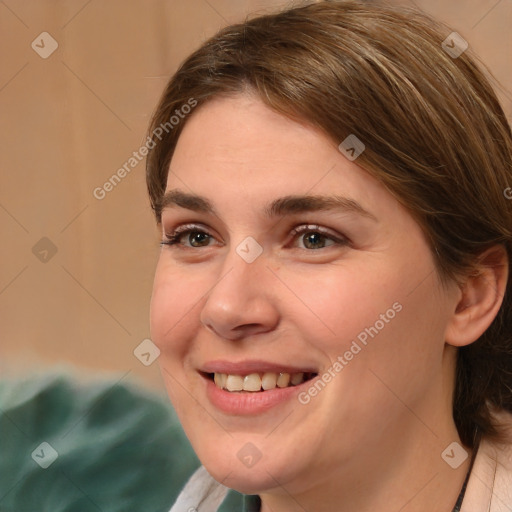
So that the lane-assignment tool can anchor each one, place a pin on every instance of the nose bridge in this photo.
(243, 269)
(240, 300)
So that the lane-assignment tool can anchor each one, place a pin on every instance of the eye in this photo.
(315, 237)
(311, 236)
(190, 233)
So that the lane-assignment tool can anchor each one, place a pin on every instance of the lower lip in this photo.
(247, 402)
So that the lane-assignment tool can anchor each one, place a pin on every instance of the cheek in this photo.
(172, 328)
(335, 304)
(401, 356)
(372, 313)
(172, 306)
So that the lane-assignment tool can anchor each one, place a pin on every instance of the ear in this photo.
(480, 298)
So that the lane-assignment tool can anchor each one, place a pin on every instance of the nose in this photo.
(242, 302)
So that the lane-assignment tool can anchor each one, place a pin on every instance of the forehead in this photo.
(236, 149)
(243, 130)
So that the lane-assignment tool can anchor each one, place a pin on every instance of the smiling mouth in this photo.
(258, 382)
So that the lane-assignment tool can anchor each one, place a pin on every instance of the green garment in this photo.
(119, 448)
(252, 504)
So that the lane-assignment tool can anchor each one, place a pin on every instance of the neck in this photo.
(398, 473)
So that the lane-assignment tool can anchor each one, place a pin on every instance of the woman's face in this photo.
(297, 262)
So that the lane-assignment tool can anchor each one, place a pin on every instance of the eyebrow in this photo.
(282, 206)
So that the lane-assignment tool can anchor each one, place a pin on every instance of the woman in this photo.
(332, 300)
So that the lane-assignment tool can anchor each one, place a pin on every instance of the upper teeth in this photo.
(257, 381)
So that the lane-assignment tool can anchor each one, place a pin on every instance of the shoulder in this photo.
(490, 484)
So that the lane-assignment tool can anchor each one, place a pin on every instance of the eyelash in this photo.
(173, 239)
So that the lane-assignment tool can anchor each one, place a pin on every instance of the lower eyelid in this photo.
(172, 237)
(302, 230)
(336, 244)
(184, 233)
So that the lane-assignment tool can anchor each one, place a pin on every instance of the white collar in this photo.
(201, 494)
(490, 483)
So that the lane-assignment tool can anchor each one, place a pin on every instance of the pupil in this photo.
(313, 239)
(197, 238)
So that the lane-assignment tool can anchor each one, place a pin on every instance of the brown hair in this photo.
(434, 132)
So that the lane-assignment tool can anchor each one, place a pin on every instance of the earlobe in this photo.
(480, 299)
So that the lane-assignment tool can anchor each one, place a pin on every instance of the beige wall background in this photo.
(76, 271)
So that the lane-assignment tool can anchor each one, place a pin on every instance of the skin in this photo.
(372, 438)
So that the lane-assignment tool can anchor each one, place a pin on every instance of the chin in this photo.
(232, 474)
(246, 469)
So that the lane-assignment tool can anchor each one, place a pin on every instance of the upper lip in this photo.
(253, 366)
